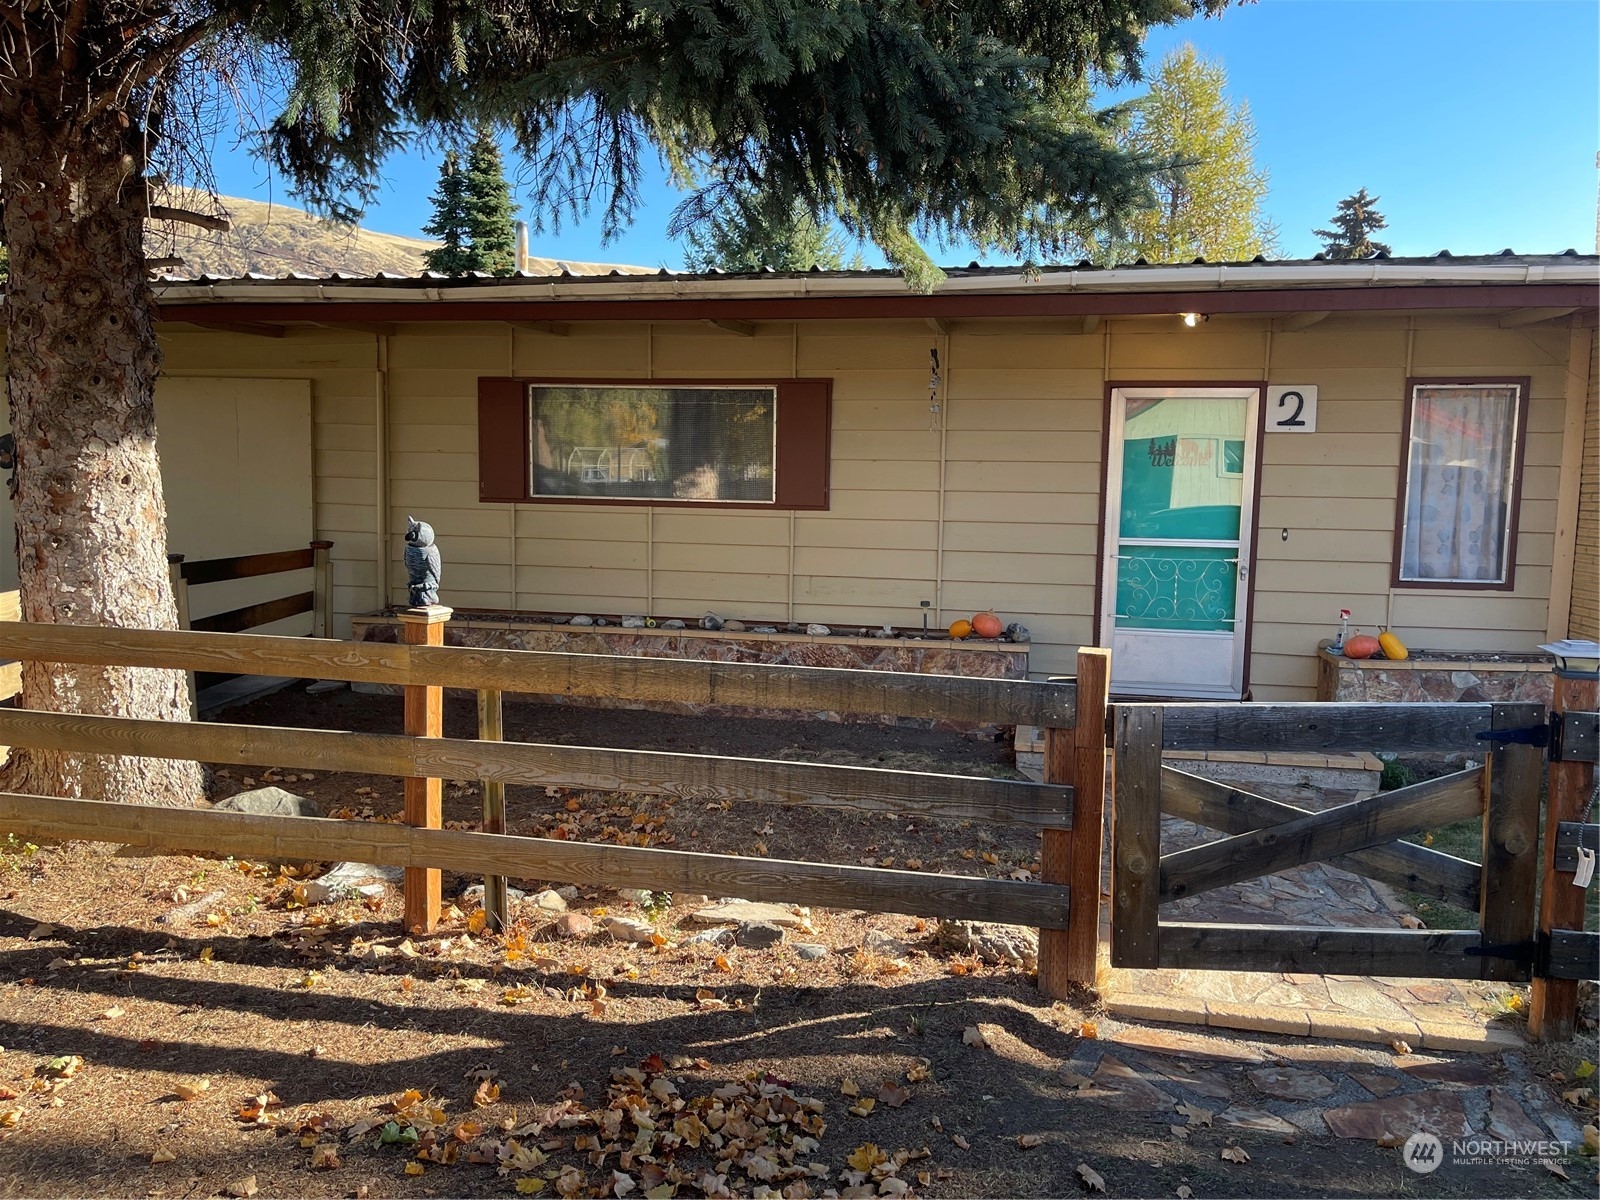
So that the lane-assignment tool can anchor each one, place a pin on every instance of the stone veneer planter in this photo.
(1436, 675)
(990, 659)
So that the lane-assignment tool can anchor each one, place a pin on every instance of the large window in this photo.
(1458, 500)
(744, 443)
(654, 443)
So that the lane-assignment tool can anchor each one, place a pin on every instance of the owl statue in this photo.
(422, 563)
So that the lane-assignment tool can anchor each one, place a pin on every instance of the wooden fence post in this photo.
(321, 588)
(1553, 1010)
(424, 805)
(180, 597)
(491, 728)
(1136, 840)
(1077, 756)
(1506, 899)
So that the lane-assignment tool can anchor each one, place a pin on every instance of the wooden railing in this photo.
(1067, 809)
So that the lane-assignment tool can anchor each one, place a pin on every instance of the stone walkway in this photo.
(1435, 1014)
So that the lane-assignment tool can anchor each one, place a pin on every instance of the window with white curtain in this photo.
(1459, 496)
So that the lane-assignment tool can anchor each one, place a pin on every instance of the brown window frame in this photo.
(802, 461)
(1523, 384)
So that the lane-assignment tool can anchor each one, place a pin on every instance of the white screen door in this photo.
(1180, 491)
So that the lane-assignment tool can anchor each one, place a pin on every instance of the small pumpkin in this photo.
(1393, 647)
(987, 625)
(1362, 645)
(961, 629)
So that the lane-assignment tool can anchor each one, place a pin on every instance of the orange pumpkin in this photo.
(1362, 645)
(961, 629)
(986, 625)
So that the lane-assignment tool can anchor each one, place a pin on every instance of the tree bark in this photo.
(82, 360)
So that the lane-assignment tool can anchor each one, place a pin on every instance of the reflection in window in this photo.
(655, 443)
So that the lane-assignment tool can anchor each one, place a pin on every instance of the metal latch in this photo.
(1522, 953)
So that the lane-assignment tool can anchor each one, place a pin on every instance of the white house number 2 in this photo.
(1292, 409)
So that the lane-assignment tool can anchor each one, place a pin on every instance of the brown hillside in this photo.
(275, 239)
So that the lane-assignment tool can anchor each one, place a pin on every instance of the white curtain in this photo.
(1458, 484)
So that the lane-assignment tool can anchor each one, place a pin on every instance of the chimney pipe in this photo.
(522, 245)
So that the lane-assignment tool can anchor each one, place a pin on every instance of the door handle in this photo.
(1244, 571)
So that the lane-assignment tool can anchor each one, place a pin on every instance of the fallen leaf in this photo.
(866, 1156)
(163, 1156)
(1196, 1114)
(1400, 1046)
(892, 1095)
(1089, 1030)
(1578, 1096)
(486, 1093)
(1555, 1168)
(1391, 1140)
(415, 1168)
(973, 1036)
(961, 1141)
(1091, 1177)
(243, 1188)
(1583, 1070)
(530, 1185)
(63, 1066)
(1235, 1154)
(206, 952)
(1408, 921)
(188, 1091)
(110, 1014)
(1181, 1132)
(1029, 1141)
(920, 1072)
(1184, 1192)
(862, 1107)
(850, 1088)
(324, 1158)
(478, 921)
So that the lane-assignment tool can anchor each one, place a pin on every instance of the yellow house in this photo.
(1198, 465)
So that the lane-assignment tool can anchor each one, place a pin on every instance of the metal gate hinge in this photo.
(1528, 735)
(1574, 737)
(1522, 953)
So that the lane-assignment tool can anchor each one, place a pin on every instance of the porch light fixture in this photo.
(1193, 319)
(1575, 659)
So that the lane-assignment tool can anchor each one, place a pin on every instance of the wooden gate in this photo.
(1267, 836)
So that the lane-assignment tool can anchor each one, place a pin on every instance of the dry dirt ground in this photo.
(260, 1044)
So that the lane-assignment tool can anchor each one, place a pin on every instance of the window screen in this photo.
(654, 443)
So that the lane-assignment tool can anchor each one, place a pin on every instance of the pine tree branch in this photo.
(163, 212)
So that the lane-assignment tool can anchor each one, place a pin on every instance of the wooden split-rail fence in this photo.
(1066, 809)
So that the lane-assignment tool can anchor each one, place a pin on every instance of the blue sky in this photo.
(1477, 122)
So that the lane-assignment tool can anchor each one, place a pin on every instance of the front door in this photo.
(1180, 492)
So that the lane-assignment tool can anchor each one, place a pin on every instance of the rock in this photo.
(1207, 1083)
(1508, 1121)
(184, 912)
(885, 632)
(574, 925)
(810, 951)
(733, 627)
(321, 687)
(346, 878)
(1292, 1083)
(766, 629)
(472, 896)
(633, 622)
(1256, 1119)
(674, 624)
(758, 935)
(816, 629)
(1018, 633)
(878, 942)
(1378, 1085)
(376, 952)
(269, 802)
(690, 898)
(1013, 944)
(709, 937)
(736, 912)
(1434, 1070)
(580, 620)
(569, 893)
(626, 929)
(601, 621)
(550, 901)
(1437, 1112)
(711, 621)
(1118, 1085)
(1186, 1045)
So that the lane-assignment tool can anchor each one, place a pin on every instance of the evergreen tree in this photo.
(449, 222)
(1354, 222)
(488, 209)
(907, 120)
(1208, 190)
(743, 237)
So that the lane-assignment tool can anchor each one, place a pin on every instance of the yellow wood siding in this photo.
(994, 501)
(1584, 619)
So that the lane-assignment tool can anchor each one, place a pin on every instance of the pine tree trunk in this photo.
(81, 366)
